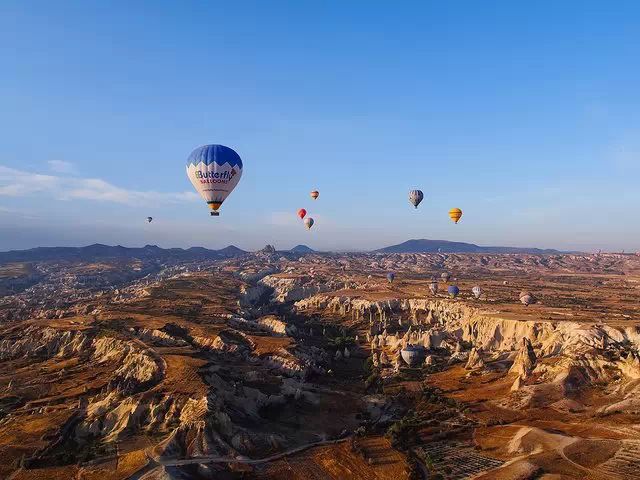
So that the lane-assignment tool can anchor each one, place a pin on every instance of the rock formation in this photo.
(525, 360)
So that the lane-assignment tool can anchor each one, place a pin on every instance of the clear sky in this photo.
(526, 115)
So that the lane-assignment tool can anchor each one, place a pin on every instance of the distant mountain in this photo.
(99, 251)
(231, 251)
(302, 249)
(444, 246)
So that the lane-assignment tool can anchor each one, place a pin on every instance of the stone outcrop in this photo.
(525, 361)
(475, 361)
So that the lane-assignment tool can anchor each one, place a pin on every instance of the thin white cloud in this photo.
(626, 156)
(18, 183)
(60, 166)
(291, 219)
(283, 219)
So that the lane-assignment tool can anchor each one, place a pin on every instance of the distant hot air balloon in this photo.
(214, 171)
(314, 194)
(433, 288)
(477, 291)
(308, 222)
(445, 276)
(455, 214)
(149, 219)
(527, 298)
(391, 277)
(453, 291)
(301, 213)
(413, 355)
(415, 197)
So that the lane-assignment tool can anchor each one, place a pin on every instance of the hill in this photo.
(98, 251)
(444, 246)
(302, 249)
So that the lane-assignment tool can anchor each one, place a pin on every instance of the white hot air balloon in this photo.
(477, 291)
(415, 197)
(214, 171)
(308, 222)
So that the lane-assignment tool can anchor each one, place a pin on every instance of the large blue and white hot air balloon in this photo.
(214, 171)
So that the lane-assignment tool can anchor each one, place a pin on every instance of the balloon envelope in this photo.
(315, 194)
(433, 288)
(455, 214)
(301, 213)
(413, 354)
(453, 291)
(149, 219)
(445, 276)
(415, 197)
(527, 299)
(390, 277)
(308, 222)
(214, 171)
(477, 291)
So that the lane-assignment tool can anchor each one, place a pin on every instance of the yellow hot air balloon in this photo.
(455, 214)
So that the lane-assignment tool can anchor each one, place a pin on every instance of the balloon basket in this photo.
(215, 214)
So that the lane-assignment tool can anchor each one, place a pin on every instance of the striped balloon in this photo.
(455, 214)
(415, 197)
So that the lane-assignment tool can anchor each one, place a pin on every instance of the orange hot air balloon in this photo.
(455, 214)
(314, 194)
(301, 213)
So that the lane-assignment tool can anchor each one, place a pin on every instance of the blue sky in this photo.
(526, 115)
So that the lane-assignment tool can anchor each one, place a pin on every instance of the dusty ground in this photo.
(180, 367)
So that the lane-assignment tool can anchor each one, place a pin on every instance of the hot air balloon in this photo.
(308, 222)
(527, 299)
(445, 276)
(477, 291)
(301, 213)
(315, 194)
(390, 277)
(413, 354)
(453, 291)
(415, 197)
(455, 214)
(433, 288)
(214, 171)
(149, 219)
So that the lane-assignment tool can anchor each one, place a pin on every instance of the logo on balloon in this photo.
(215, 177)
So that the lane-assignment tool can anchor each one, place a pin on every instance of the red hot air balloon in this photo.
(301, 213)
